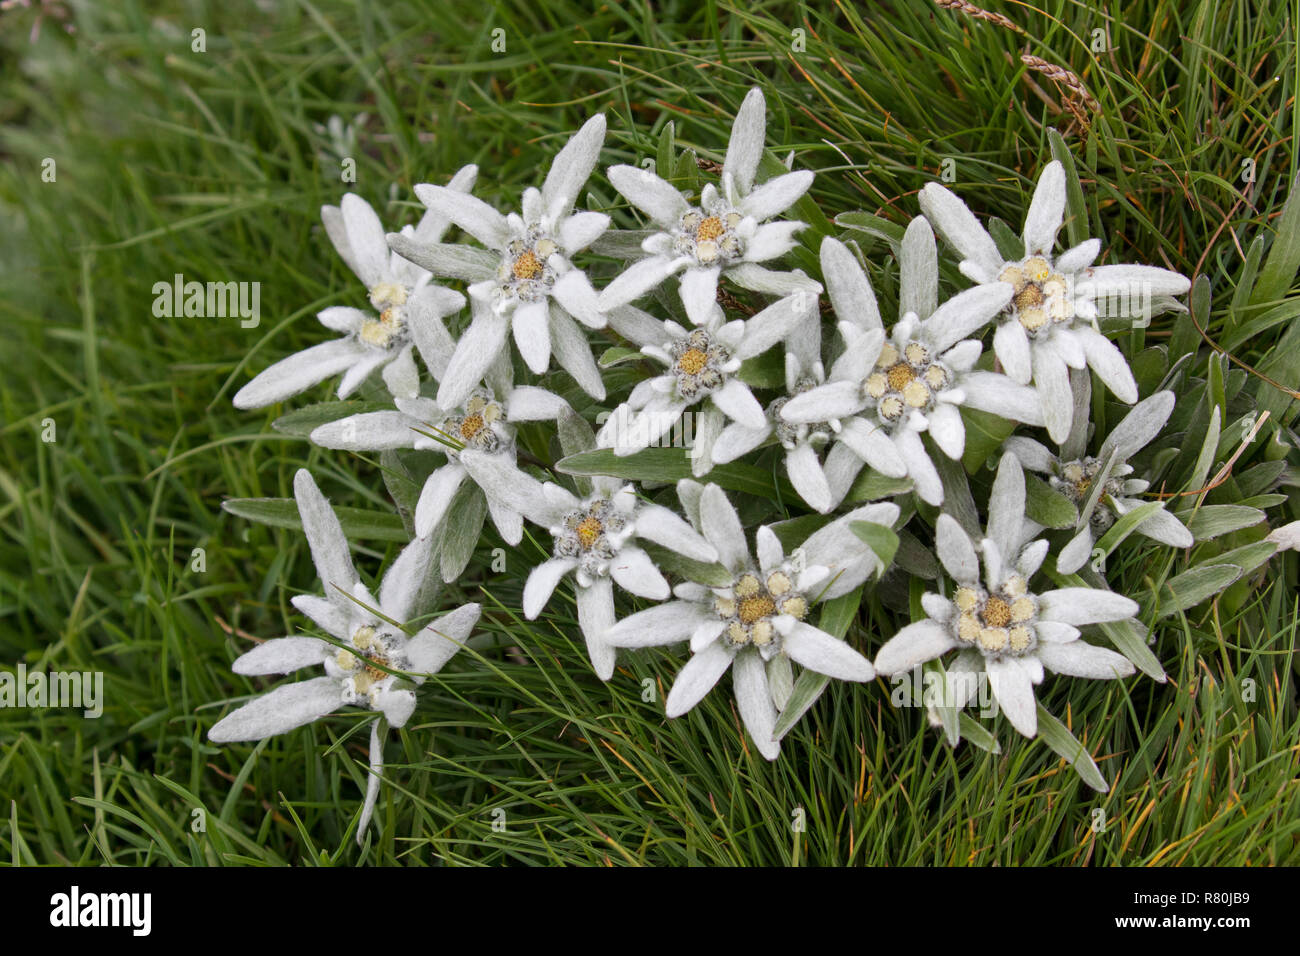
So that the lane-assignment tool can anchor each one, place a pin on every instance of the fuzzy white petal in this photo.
(699, 292)
(573, 353)
(656, 523)
(754, 701)
(696, 678)
(533, 335)
(819, 651)
(913, 646)
(776, 195)
(1011, 685)
(474, 354)
(282, 655)
(329, 547)
(745, 147)
(657, 198)
(1085, 606)
(595, 617)
(470, 213)
(1079, 659)
(366, 239)
(279, 711)
(1011, 344)
(636, 574)
(1046, 210)
(439, 488)
(662, 624)
(299, 372)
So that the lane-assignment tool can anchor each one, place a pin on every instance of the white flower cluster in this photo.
(870, 406)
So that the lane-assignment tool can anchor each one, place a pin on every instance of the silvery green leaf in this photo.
(1010, 245)
(404, 471)
(622, 243)
(1201, 471)
(1259, 478)
(1279, 269)
(303, 421)
(807, 688)
(1057, 736)
(794, 531)
(666, 152)
(1249, 556)
(915, 558)
(1128, 636)
(1128, 640)
(356, 522)
(1211, 521)
(617, 354)
(948, 713)
(880, 538)
(780, 680)
(764, 371)
(1125, 525)
(975, 732)
(884, 229)
(1190, 588)
(1076, 214)
(957, 498)
(575, 437)
(836, 616)
(1046, 506)
(871, 485)
(985, 433)
(460, 536)
(710, 575)
(668, 465)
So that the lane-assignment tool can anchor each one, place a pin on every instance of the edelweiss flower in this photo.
(1074, 474)
(477, 440)
(726, 233)
(378, 662)
(1050, 322)
(821, 487)
(757, 625)
(1002, 627)
(882, 394)
(411, 311)
(701, 368)
(526, 280)
(593, 538)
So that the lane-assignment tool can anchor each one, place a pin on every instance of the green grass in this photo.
(212, 165)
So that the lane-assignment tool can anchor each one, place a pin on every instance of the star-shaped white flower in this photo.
(702, 363)
(822, 485)
(757, 625)
(524, 280)
(726, 233)
(1002, 627)
(378, 664)
(882, 394)
(410, 310)
(1074, 473)
(1050, 322)
(477, 439)
(594, 539)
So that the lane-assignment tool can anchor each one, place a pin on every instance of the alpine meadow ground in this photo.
(147, 144)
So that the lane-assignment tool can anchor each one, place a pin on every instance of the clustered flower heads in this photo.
(861, 426)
